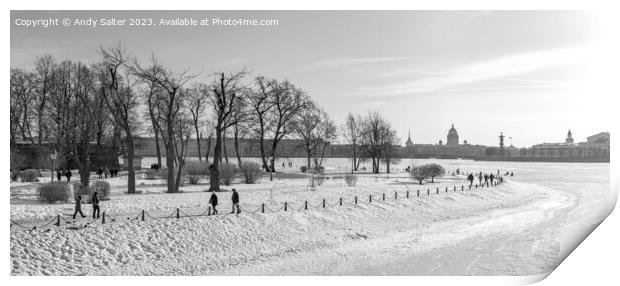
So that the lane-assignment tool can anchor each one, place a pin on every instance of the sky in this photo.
(528, 74)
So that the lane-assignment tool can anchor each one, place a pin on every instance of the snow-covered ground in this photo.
(511, 229)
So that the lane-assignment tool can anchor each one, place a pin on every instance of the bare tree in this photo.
(225, 91)
(171, 84)
(351, 131)
(317, 131)
(288, 101)
(375, 134)
(260, 103)
(121, 101)
(197, 98)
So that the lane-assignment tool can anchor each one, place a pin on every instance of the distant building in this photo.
(409, 143)
(569, 138)
(453, 137)
(596, 149)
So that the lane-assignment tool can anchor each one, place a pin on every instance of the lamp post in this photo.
(53, 158)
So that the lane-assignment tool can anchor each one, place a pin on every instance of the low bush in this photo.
(350, 179)
(150, 175)
(35, 171)
(30, 175)
(319, 170)
(228, 172)
(54, 192)
(196, 170)
(251, 172)
(102, 188)
(303, 169)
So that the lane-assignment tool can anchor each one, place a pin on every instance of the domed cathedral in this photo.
(453, 137)
(569, 138)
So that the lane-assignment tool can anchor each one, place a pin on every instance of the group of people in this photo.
(101, 172)
(235, 202)
(94, 201)
(155, 167)
(60, 173)
(487, 178)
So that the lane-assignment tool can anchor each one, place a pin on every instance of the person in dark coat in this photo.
(59, 175)
(100, 173)
(95, 202)
(213, 202)
(235, 202)
(491, 177)
(470, 178)
(78, 207)
(486, 179)
(68, 175)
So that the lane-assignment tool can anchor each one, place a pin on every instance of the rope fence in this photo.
(59, 221)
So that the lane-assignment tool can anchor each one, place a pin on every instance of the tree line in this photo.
(111, 101)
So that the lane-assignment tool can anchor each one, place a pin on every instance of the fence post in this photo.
(384, 196)
(356, 200)
(57, 220)
(305, 205)
(285, 206)
(370, 198)
(407, 194)
(446, 189)
(142, 215)
(396, 195)
(418, 193)
(340, 201)
(323, 203)
(177, 212)
(208, 210)
(454, 188)
(103, 218)
(462, 188)
(438, 191)
(262, 208)
(428, 192)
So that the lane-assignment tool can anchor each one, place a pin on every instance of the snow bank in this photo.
(295, 242)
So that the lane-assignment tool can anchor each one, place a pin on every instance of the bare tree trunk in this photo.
(198, 140)
(131, 173)
(170, 156)
(157, 149)
(214, 178)
(208, 150)
(224, 146)
(236, 135)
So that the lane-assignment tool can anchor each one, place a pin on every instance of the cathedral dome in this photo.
(453, 136)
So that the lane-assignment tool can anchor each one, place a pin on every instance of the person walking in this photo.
(100, 173)
(213, 202)
(486, 179)
(95, 202)
(235, 202)
(470, 178)
(59, 175)
(480, 178)
(68, 175)
(106, 172)
(491, 177)
(78, 207)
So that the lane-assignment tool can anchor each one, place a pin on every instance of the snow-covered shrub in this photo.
(350, 179)
(420, 173)
(316, 180)
(102, 188)
(196, 170)
(303, 169)
(150, 174)
(319, 169)
(30, 175)
(228, 172)
(162, 174)
(54, 192)
(250, 172)
(435, 170)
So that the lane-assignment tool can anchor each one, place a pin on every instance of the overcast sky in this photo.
(526, 74)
